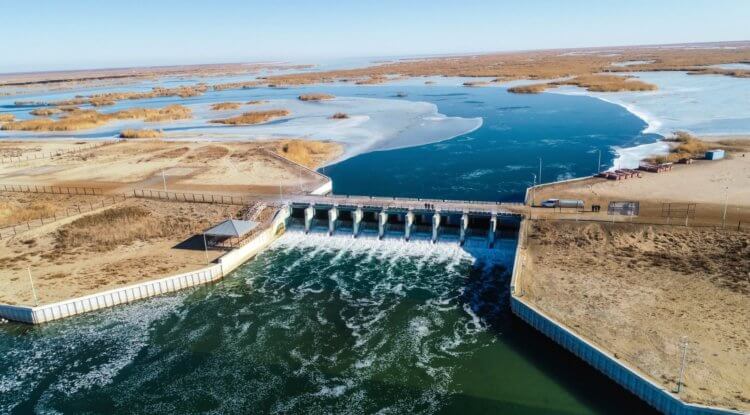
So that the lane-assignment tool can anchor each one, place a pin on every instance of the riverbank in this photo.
(641, 291)
(707, 184)
(260, 167)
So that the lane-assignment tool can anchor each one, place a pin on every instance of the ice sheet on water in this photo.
(700, 104)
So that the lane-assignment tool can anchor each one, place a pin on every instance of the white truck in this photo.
(563, 203)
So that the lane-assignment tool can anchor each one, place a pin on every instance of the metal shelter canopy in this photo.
(232, 228)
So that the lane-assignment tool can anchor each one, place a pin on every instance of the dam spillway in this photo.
(447, 220)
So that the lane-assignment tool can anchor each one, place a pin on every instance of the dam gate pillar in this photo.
(435, 227)
(333, 215)
(309, 215)
(464, 226)
(356, 221)
(409, 222)
(382, 221)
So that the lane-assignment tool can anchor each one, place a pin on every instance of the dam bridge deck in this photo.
(393, 204)
(404, 215)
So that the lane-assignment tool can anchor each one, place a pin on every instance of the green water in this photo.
(314, 325)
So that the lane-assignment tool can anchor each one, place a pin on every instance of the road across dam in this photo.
(449, 219)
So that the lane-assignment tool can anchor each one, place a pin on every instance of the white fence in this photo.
(74, 306)
(626, 376)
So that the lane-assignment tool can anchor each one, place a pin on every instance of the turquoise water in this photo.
(496, 162)
(332, 325)
(313, 325)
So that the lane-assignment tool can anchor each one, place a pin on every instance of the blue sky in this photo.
(47, 34)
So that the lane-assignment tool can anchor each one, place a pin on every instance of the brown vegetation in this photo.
(543, 64)
(14, 212)
(308, 153)
(78, 78)
(117, 226)
(45, 111)
(528, 89)
(236, 85)
(594, 83)
(110, 98)
(475, 83)
(315, 97)
(85, 119)
(607, 83)
(256, 102)
(638, 290)
(253, 117)
(142, 133)
(373, 80)
(340, 116)
(7, 117)
(224, 106)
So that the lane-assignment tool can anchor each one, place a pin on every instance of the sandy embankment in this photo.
(708, 184)
(133, 240)
(638, 291)
(238, 168)
(74, 256)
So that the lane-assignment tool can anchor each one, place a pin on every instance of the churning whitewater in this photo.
(315, 324)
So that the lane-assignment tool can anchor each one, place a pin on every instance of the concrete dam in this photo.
(404, 218)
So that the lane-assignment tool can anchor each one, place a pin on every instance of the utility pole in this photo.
(205, 248)
(726, 199)
(540, 170)
(164, 180)
(684, 344)
(33, 290)
(533, 190)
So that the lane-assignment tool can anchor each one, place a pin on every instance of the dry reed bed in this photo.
(543, 64)
(315, 97)
(236, 85)
(253, 117)
(110, 98)
(308, 153)
(78, 78)
(86, 119)
(340, 116)
(141, 133)
(637, 290)
(687, 146)
(44, 112)
(7, 117)
(117, 226)
(224, 106)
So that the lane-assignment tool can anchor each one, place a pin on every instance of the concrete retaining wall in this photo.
(626, 376)
(239, 256)
(74, 306)
(324, 189)
(67, 308)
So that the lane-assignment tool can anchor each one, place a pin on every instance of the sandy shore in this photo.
(637, 291)
(236, 167)
(708, 184)
(106, 255)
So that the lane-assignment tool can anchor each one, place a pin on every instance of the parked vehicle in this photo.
(563, 203)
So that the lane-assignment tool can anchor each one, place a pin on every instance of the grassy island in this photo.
(316, 97)
(85, 119)
(142, 133)
(253, 117)
(224, 106)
